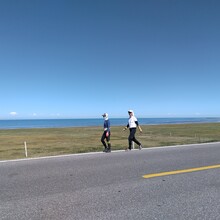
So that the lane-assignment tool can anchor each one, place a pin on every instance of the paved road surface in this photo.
(110, 186)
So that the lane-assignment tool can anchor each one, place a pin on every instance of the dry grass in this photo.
(56, 141)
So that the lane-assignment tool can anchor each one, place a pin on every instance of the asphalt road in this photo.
(111, 186)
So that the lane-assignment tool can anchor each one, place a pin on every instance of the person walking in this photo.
(106, 134)
(132, 125)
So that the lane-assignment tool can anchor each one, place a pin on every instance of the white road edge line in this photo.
(92, 153)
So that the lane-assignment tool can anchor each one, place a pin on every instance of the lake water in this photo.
(61, 123)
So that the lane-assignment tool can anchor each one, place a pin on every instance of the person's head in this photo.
(105, 115)
(130, 113)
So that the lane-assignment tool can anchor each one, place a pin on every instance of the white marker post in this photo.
(132, 144)
(25, 148)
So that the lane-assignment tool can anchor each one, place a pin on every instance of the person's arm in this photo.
(107, 128)
(139, 127)
(108, 125)
(126, 127)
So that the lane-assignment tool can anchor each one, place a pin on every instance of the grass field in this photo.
(57, 141)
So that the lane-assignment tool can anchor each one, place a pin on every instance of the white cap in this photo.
(105, 115)
(130, 111)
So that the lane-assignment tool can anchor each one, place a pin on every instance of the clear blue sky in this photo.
(81, 58)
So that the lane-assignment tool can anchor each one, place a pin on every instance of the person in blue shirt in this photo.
(106, 134)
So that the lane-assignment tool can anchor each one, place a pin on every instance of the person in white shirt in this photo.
(132, 125)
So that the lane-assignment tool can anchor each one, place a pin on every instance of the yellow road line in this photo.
(180, 171)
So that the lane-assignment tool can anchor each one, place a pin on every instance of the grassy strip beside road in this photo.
(57, 141)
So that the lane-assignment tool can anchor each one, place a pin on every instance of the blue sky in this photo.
(80, 58)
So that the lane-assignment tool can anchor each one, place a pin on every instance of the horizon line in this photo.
(81, 118)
